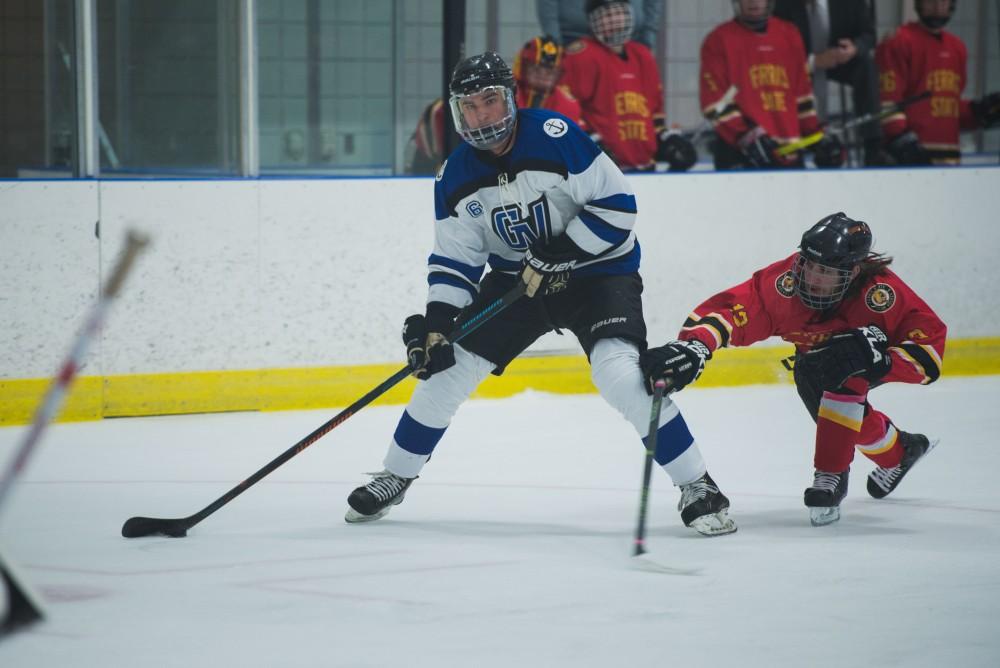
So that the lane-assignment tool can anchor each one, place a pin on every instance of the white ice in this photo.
(513, 547)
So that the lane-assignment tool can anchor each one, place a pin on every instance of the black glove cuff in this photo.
(441, 317)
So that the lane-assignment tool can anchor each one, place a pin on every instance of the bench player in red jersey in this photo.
(921, 56)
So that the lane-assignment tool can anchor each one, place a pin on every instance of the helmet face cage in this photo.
(830, 252)
(933, 22)
(820, 286)
(611, 23)
(538, 64)
(489, 135)
(754, 24)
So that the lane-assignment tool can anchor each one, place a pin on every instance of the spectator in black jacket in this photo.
(840, 37)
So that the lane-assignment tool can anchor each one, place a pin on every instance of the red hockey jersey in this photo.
(766, 305)
(914, 60)
(621, 98)
(770, 74)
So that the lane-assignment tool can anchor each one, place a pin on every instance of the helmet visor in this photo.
(820, 286)
(486, 117)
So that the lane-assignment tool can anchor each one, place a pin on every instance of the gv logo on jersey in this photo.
(519, 231)
(474, 208)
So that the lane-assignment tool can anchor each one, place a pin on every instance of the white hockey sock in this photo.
(433, 404)
(615, 371)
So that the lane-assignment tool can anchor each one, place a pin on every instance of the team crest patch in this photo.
(880, 297)
(474, 208)
(576, 46)
(785, 284)
(555, 127)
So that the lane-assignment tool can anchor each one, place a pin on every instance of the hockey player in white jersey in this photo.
(532, 198)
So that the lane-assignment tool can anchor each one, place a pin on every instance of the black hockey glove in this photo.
(759, 149)
(861, 352)
(987, 110)
(547, 267)
(906, 150)
(829, 152)
(427, 349)
(678, 362)
(676, 150)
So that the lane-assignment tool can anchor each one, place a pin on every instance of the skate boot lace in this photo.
(826, 481)
(885, 478)
(696, 491)
(385, 485)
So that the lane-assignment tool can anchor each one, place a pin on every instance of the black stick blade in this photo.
(137, 527)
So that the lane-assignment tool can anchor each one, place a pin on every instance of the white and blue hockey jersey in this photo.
(553, 181)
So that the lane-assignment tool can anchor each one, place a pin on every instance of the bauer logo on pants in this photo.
(880, 297)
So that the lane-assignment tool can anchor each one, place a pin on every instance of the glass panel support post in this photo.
(88, 164)
(249, 118)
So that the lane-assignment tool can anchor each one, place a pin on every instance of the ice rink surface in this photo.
(513, 547)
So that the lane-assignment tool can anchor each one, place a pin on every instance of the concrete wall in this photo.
(301, 273)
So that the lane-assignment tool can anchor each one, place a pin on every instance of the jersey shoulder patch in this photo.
(576, 46)
(555, 127)
(785, 284)
(880, 297)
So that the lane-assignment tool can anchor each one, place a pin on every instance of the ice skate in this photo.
(374, 500)
(824, 497)
(882, 481)
(704, 508)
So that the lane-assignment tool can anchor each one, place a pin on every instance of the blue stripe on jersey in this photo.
(619, 202)
(672, 439)
(415, 437)
(602, 228)
(441, 278)
(502, 264)
(467, 270)
(626, 264)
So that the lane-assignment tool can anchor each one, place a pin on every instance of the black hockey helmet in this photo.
(753, 23)
(829, 257)
(934, 22)
(611, 21)
(486, 72)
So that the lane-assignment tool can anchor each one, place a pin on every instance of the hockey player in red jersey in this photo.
(618, 84)
(756, 92)
(855, 325)
(922, 56)
(537, 68)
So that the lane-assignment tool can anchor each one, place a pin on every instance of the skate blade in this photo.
(822, 516)
(718, 524)
(354, 517)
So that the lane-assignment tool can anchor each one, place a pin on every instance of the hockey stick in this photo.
(879, 115)
(56, 392)
(799, 144)
(136, 527)
(717, 108)
(647, 471)
(815, 137)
